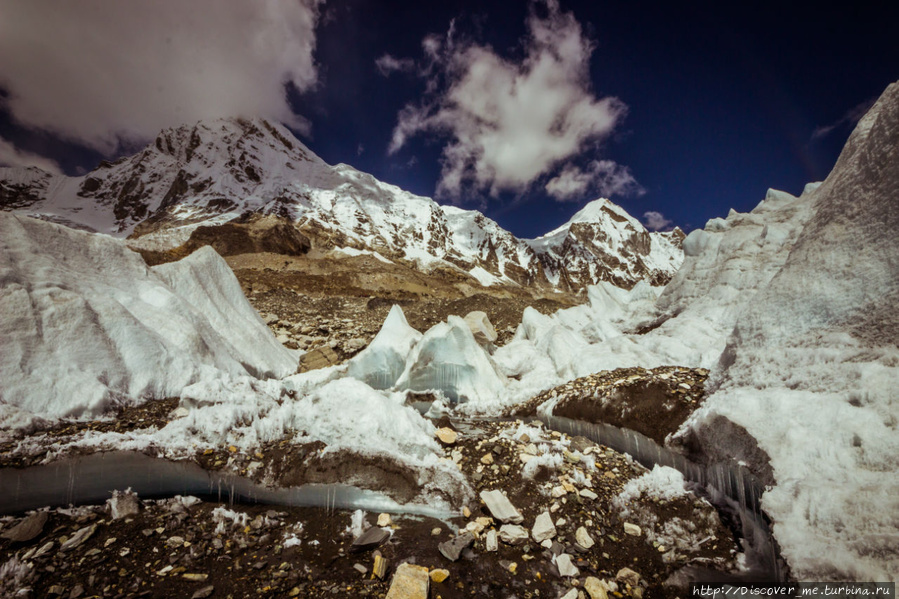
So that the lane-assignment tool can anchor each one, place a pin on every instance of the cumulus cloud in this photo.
(656, 221)
(509, 122)
(105, 71)
(388, 64)
(12, 156)
(601, 177)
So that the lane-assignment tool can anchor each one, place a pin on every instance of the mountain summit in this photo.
(232, 170)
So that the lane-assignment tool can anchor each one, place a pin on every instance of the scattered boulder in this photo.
(543, 528)
(379, 569)
(566, 568)
(595, 588)
(321, 357)
(452, 549)
(513, 534)
(123, 504)
(409, 582)
(628, 576)
(203, 593)
(384, 520)
(481, 328)
(583, 538)
(439, 575)
(491, 541)
(79, 537)
(29, 528)
(447, 436)
(370, 539)
(500, 506)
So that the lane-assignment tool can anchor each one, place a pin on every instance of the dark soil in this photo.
(652, 402)
(170, 550)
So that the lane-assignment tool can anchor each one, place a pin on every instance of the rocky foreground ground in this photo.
(554, 517)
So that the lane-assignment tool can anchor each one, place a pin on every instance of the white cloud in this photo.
(851, 117)
(602, 177)
(508, 122)
(106, 71)
(12, 156)
(388, 64)
(656, 221)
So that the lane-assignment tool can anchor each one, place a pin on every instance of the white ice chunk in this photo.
(381, 363)
(448, 359)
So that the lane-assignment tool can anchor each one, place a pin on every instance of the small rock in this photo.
(439, 575)
(452, 549)
(447, 436)
(632, 529)
(588, 494)
(628, 576)
(583, 538)
(566, 568)
(203, 593)
(480, 326)
(360, 569)
(29, 528)
(543, 528)
(436, 532)
(500, 506)
(379, 569)
(558, 491)
(79, 537)
(571, 458)
(370, 539)
(491, 540)
(409, 582)
(384, 520)
(77, 591)
(321, 357)
(513, 534)
(595, 588)
(571, 594)
(487, 459)
(194, 577)
(56, 590)
(179, 412)
(466, 512)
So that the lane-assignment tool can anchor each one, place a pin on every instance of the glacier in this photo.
(382, 363)
(85, 324)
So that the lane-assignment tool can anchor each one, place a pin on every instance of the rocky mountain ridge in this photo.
(237, 171)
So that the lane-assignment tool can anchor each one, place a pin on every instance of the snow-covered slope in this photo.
(218, 170)
(84, 323)
(812, 367)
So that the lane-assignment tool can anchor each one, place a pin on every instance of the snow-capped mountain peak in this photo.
(603, 242)
(219, 170)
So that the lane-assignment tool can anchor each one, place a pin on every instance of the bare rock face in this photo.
(250, 234)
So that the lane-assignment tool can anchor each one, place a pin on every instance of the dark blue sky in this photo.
(722, 98)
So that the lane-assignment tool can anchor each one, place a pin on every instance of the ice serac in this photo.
(383, 361)
(812, 367)
(449, 360)
(84, 323)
